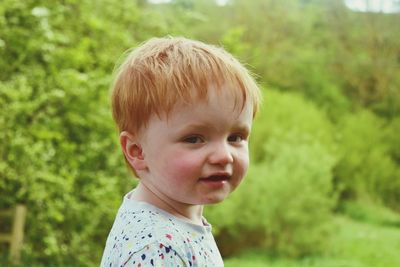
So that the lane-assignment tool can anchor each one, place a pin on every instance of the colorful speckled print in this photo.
(143, 235)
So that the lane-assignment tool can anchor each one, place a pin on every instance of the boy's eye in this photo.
(193, 140)
(235, 138)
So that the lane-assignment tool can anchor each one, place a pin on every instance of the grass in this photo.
(371, 213)
(355, 244)
(368, 244)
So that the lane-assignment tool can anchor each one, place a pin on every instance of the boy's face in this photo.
(199, 153)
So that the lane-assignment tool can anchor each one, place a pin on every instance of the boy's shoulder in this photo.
(143, 230)
(143, 224)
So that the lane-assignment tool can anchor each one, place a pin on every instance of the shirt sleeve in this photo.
(157, 255)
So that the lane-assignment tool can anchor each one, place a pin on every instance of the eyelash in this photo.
(198, 139)
(193, 139)
(242, 138)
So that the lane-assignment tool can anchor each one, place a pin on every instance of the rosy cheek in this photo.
(183, 166)
(243, 164)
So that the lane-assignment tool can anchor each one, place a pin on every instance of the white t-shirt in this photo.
(144, 235)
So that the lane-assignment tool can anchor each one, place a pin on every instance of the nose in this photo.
(220, 154)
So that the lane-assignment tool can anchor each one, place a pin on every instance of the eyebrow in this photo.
(200, 126)
(242, 128)
(195, 126)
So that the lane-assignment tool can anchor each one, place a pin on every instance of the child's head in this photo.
(165, 72)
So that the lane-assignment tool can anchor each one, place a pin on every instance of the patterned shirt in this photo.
(144, 235)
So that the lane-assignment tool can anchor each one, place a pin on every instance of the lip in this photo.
(217, 174)
(217, 177)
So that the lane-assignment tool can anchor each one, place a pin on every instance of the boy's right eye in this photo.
(193, 139)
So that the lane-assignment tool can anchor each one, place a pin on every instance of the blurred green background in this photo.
(323, 188)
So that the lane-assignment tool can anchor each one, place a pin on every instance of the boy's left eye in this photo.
(235, 138)
(193, 139)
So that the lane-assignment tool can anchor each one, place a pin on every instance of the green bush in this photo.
(59, 150)
(285, 202)
(367, 169)
(391, 194)
(371, 213)
(58, 166)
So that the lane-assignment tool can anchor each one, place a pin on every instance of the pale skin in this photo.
(196, 155)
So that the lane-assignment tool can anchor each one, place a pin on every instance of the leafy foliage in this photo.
(58, 141)
(367, 169)
(328, 133)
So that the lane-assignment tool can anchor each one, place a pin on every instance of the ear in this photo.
(133, 151)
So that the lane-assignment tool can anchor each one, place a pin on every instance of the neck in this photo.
(186, 212)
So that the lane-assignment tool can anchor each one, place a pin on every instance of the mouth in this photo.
(215, 178)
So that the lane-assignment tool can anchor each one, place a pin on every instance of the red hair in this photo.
(164, 71)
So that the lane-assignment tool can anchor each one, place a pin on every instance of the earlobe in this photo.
(133, 151)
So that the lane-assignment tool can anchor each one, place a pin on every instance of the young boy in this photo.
(184, 110)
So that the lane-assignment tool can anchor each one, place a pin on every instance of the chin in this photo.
(214, 199)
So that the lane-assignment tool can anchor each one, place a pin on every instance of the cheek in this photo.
(241, 166)
(242, 163)
(181, 166)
